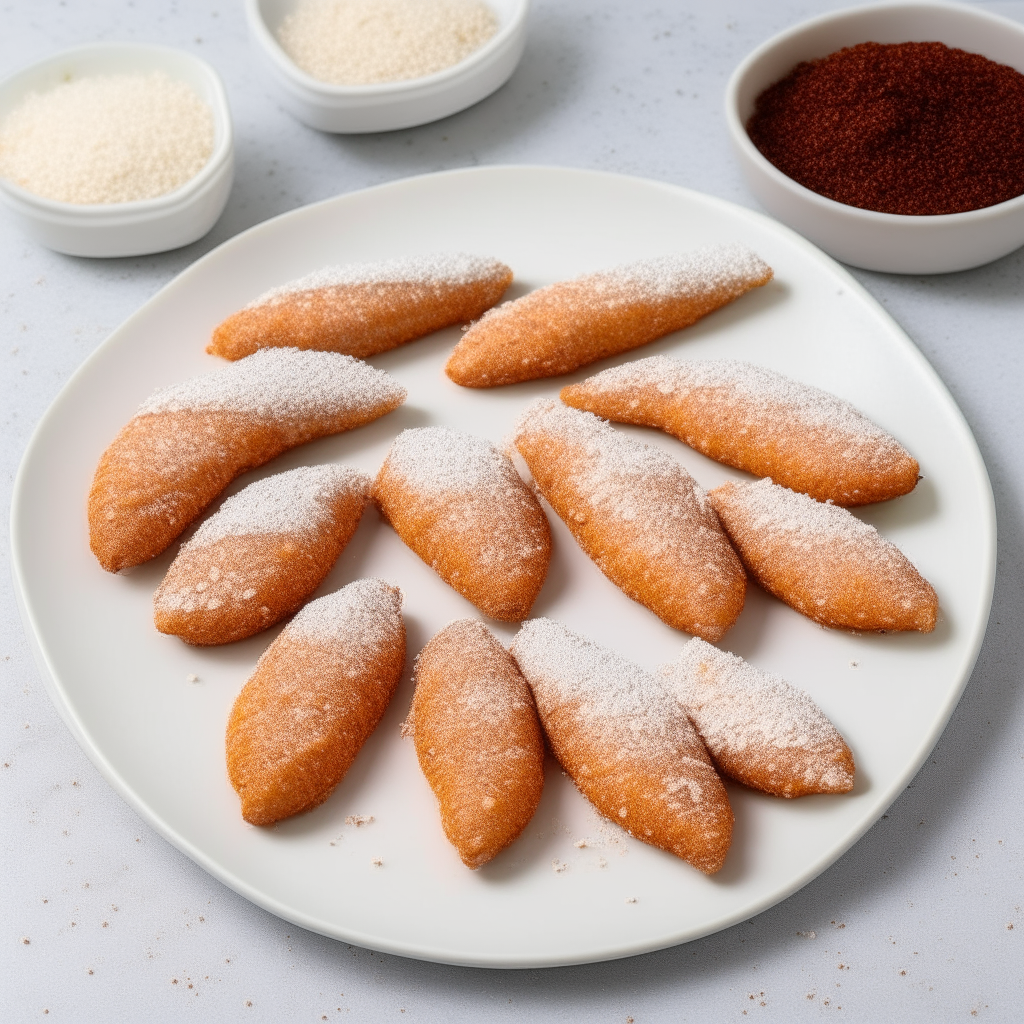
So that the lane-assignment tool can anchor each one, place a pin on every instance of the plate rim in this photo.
(976, 629)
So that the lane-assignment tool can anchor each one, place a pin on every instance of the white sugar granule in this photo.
(444, 268)
(107, 139)
(359, 42)
(353, 617)
(439, 460)
(294, 502)
(282, 382)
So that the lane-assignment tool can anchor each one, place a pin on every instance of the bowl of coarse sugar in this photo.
(355, 66)
(890, 135)
(115, 149)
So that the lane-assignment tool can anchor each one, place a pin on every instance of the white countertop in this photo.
(100, 919)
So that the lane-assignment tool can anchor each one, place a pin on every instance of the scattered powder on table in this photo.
(107, 139)
(360, 42)
(282, 382)
(444, 268)
(295, 502)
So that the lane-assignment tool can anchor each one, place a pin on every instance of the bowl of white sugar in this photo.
(356, 66)
(115, 149)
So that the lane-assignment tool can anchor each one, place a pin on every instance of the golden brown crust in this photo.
(478, 739)
(239, 585)
(302, 717)
(764, 436)
(357, 319)
(837, 571)
(627, 744)
(490, 541)
(641, 518)
(559, 328)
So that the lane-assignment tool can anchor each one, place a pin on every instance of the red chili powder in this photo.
(911, 128)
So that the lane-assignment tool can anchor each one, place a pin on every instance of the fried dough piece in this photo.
(478, 739)
(364, 308)
(822, 560)
(759, 729)
(261, 555)
(462, 507)
(627, 744)
(638, 514)
(317, 693)
(189, 441)
(567, 325)
(752, 418)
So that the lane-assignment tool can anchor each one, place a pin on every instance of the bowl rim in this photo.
(742, 140)
(329, 90)
(169, 201)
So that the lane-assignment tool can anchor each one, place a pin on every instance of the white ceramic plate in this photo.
(123, 690)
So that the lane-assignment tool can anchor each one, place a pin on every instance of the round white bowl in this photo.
(878, 241)
(355, 109)
(134, 228)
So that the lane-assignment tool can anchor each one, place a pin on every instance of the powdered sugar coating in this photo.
(751, 719)
(294, 502)
(283, 382)
(358, 616)
(439, 459)
(444, 268)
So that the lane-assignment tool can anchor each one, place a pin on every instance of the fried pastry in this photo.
(752, 418)
(261, 555)
(478, 739)
(627, 744)
(759, 729)
(567, 325)
(461, 506)
(822, 560)
(189, 441)
(364, 308)
(638, 514)
(317, 693)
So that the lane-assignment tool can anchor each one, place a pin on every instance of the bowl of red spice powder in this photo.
(890, 135)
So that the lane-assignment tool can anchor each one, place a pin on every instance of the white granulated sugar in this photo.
(353, 617)
(451, 269)
(736, 705)
(728, 268)
(107, 139)
(295, 502)
(282, 382)
(437, 460)
(359, 42)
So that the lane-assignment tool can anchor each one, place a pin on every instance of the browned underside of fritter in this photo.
(560, 328)
(356, 319)
(673, 800)
(241, 585)
(697, 586)
(514, 531)
(163, 469)
(790, 771)
(726, 426)
(486, 770)
(830, 582)
(299, 722)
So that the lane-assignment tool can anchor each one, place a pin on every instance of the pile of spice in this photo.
(107, 139)
(360, 42)
(906, 128)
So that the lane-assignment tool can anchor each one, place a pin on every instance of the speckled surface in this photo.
(100, 919)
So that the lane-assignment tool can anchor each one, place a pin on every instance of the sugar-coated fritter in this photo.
(363, 308)
(261, 555)
(755, 419)
(317, 693)
(627, 743)
(824, 561)
(567, 325)
(187, 442)
(478, 739)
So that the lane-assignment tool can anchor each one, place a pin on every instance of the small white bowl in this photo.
(134, 228)
(878, 241)
(355, 109)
